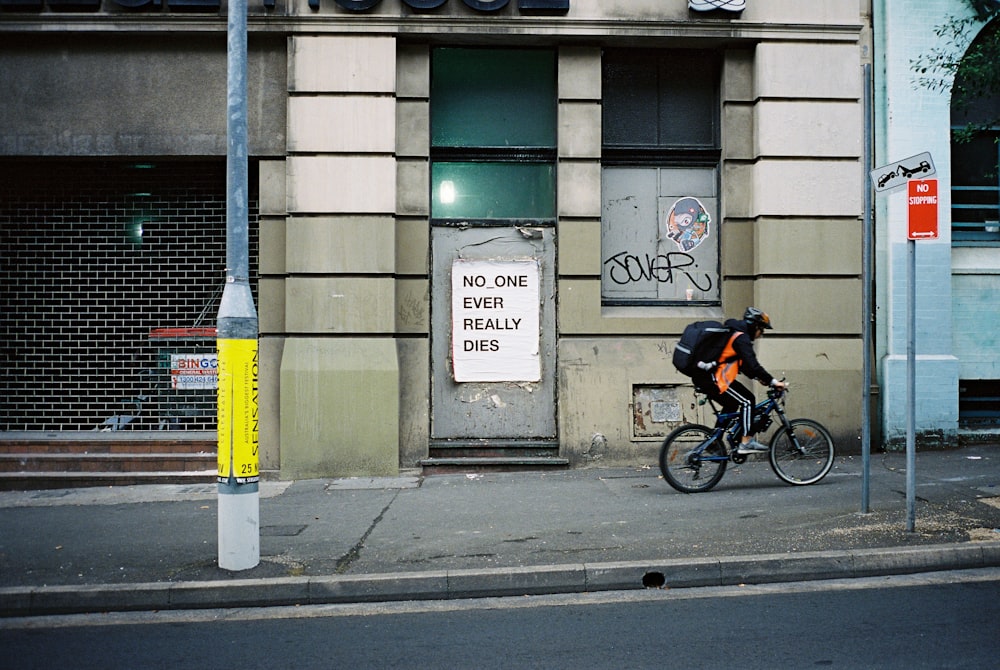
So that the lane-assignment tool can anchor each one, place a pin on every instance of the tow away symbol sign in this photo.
(922, 203)
(896, 174)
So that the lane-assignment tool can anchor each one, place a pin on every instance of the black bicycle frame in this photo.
(726, 423)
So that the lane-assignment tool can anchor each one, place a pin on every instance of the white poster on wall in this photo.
(494, 328)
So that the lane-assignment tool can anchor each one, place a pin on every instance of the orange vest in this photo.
(729, 365)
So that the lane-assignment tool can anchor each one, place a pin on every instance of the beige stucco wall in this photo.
(339, 382)
(72, 92)
(412, 250)
(356, 201)
(339, 117)
(339, 408)
(600, 375)
(271, 310)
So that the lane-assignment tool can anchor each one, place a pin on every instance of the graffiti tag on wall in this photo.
(628, 268)
(686, 225)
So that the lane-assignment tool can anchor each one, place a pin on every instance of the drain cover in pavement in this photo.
(281, 531)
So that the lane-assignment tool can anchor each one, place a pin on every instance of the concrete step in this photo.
(95, 458)
(457, 465)
(97, 442)
(118, 462)
(34, 481)
(492, 455)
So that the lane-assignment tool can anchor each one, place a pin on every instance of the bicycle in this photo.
(693, 457)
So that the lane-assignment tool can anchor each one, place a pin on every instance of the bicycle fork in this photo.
(791, 434)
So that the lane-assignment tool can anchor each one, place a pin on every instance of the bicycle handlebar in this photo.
(775, 393)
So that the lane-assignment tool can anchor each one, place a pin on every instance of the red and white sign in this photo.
(194, 371)
(922, 205)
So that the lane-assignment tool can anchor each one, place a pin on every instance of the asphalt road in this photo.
(941, 620)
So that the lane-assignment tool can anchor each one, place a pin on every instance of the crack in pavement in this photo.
(344, 562)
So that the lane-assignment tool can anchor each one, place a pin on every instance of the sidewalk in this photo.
(456, 536)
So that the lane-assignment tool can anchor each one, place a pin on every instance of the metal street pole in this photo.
(922, 221)
(866, 311)
(911, 385)
(238, 475)
(922, 213)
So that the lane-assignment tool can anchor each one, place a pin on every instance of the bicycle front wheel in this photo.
(686, 470)
(802, 455)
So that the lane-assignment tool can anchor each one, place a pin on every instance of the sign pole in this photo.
(922, 213)
(866, 309)
(238, 471)
(911, 383)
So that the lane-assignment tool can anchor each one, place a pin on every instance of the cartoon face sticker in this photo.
(688, 223)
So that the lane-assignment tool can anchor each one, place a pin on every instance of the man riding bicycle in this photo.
(738, 356)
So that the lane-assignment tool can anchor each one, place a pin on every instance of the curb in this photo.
(521, 581)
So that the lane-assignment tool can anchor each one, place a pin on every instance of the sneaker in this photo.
(751, 447)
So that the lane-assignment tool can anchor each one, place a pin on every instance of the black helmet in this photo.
(755, 317)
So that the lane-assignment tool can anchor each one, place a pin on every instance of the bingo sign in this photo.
(194, 371)
(494, 329)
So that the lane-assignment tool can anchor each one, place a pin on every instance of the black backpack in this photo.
(701, 342)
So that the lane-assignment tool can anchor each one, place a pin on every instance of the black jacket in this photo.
(743, 346)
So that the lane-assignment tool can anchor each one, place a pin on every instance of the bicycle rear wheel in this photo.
(682, 468)
(805, 459)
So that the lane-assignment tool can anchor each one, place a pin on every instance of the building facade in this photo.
(957, 354)
(479, 226)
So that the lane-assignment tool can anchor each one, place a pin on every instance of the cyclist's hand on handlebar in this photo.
(779, 384)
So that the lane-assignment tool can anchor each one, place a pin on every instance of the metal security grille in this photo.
(110, 278)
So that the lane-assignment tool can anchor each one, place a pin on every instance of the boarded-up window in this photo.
(660, 180)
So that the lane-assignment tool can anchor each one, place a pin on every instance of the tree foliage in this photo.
(972, 75)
